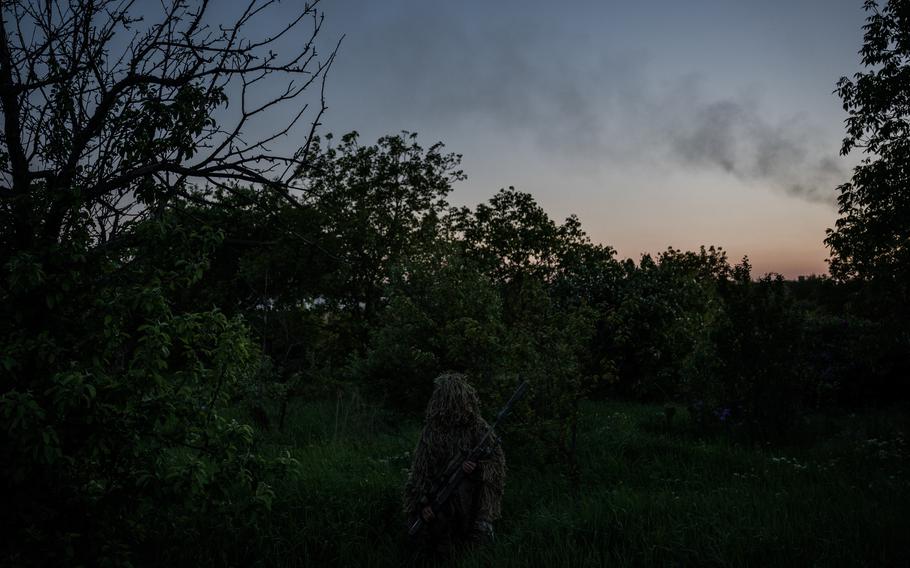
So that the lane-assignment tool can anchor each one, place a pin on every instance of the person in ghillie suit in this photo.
(453, 427)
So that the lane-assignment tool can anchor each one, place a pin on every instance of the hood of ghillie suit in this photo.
(453, 404)
(454, 424)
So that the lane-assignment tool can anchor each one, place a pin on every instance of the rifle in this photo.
(453, 475)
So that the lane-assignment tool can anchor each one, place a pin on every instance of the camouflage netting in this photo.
(454, 424)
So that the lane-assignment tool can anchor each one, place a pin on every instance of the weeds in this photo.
(649, 496)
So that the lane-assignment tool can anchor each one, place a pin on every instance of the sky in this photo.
(659, 123)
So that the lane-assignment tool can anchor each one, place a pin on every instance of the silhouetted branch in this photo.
(116, 111)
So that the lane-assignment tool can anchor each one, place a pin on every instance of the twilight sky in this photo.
(659, 123)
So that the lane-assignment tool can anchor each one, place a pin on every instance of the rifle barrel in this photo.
(516, 396)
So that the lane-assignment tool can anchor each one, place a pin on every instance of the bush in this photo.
(755, 375)
(665, 312)
(117, 441)
(442, 314)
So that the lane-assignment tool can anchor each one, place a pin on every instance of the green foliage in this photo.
(872, 236)
(310, 274)
(758, 379)
(648, 496)
(379, 205)
(114, 402)
(842, 357)
(512, 237)
(551, 280)
(507, 297)
(548, 347)
(871, 240)
(442, 314)
(663, 314)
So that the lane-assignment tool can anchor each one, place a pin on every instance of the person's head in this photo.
(454, 402)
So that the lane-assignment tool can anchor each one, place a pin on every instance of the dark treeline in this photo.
(149, 319)
(403, 287)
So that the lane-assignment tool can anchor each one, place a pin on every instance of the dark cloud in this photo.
(734, 136)
(523, 77)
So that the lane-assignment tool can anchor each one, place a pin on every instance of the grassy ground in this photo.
(648, 495)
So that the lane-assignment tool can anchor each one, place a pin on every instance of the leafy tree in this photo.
(548, 277)
(117, 444)
(512, 237)
(664, 311)
(380, 205)
(757, 371)
(312, 275)
(871, 239)
(125, 432)
(442, 314)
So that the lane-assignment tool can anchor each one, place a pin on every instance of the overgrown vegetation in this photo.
(174, 316)
(650, 494)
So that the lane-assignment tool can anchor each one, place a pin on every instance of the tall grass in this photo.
(649, 495)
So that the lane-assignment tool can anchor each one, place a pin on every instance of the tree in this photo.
(442, 314)
(381, 204)
(513, 237)
(871, 240)
(661, 315)
(870, 243)
(113, 386)
(549, 276)
(106, 117)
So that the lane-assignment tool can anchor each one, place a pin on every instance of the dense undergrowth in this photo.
(649, 494)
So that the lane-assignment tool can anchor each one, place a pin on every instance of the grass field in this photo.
(649, 495)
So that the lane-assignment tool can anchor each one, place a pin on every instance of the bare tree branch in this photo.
(109, 109)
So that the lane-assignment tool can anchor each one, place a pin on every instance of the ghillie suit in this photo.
(453, 426)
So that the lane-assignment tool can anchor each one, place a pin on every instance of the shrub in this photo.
(116, 438)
